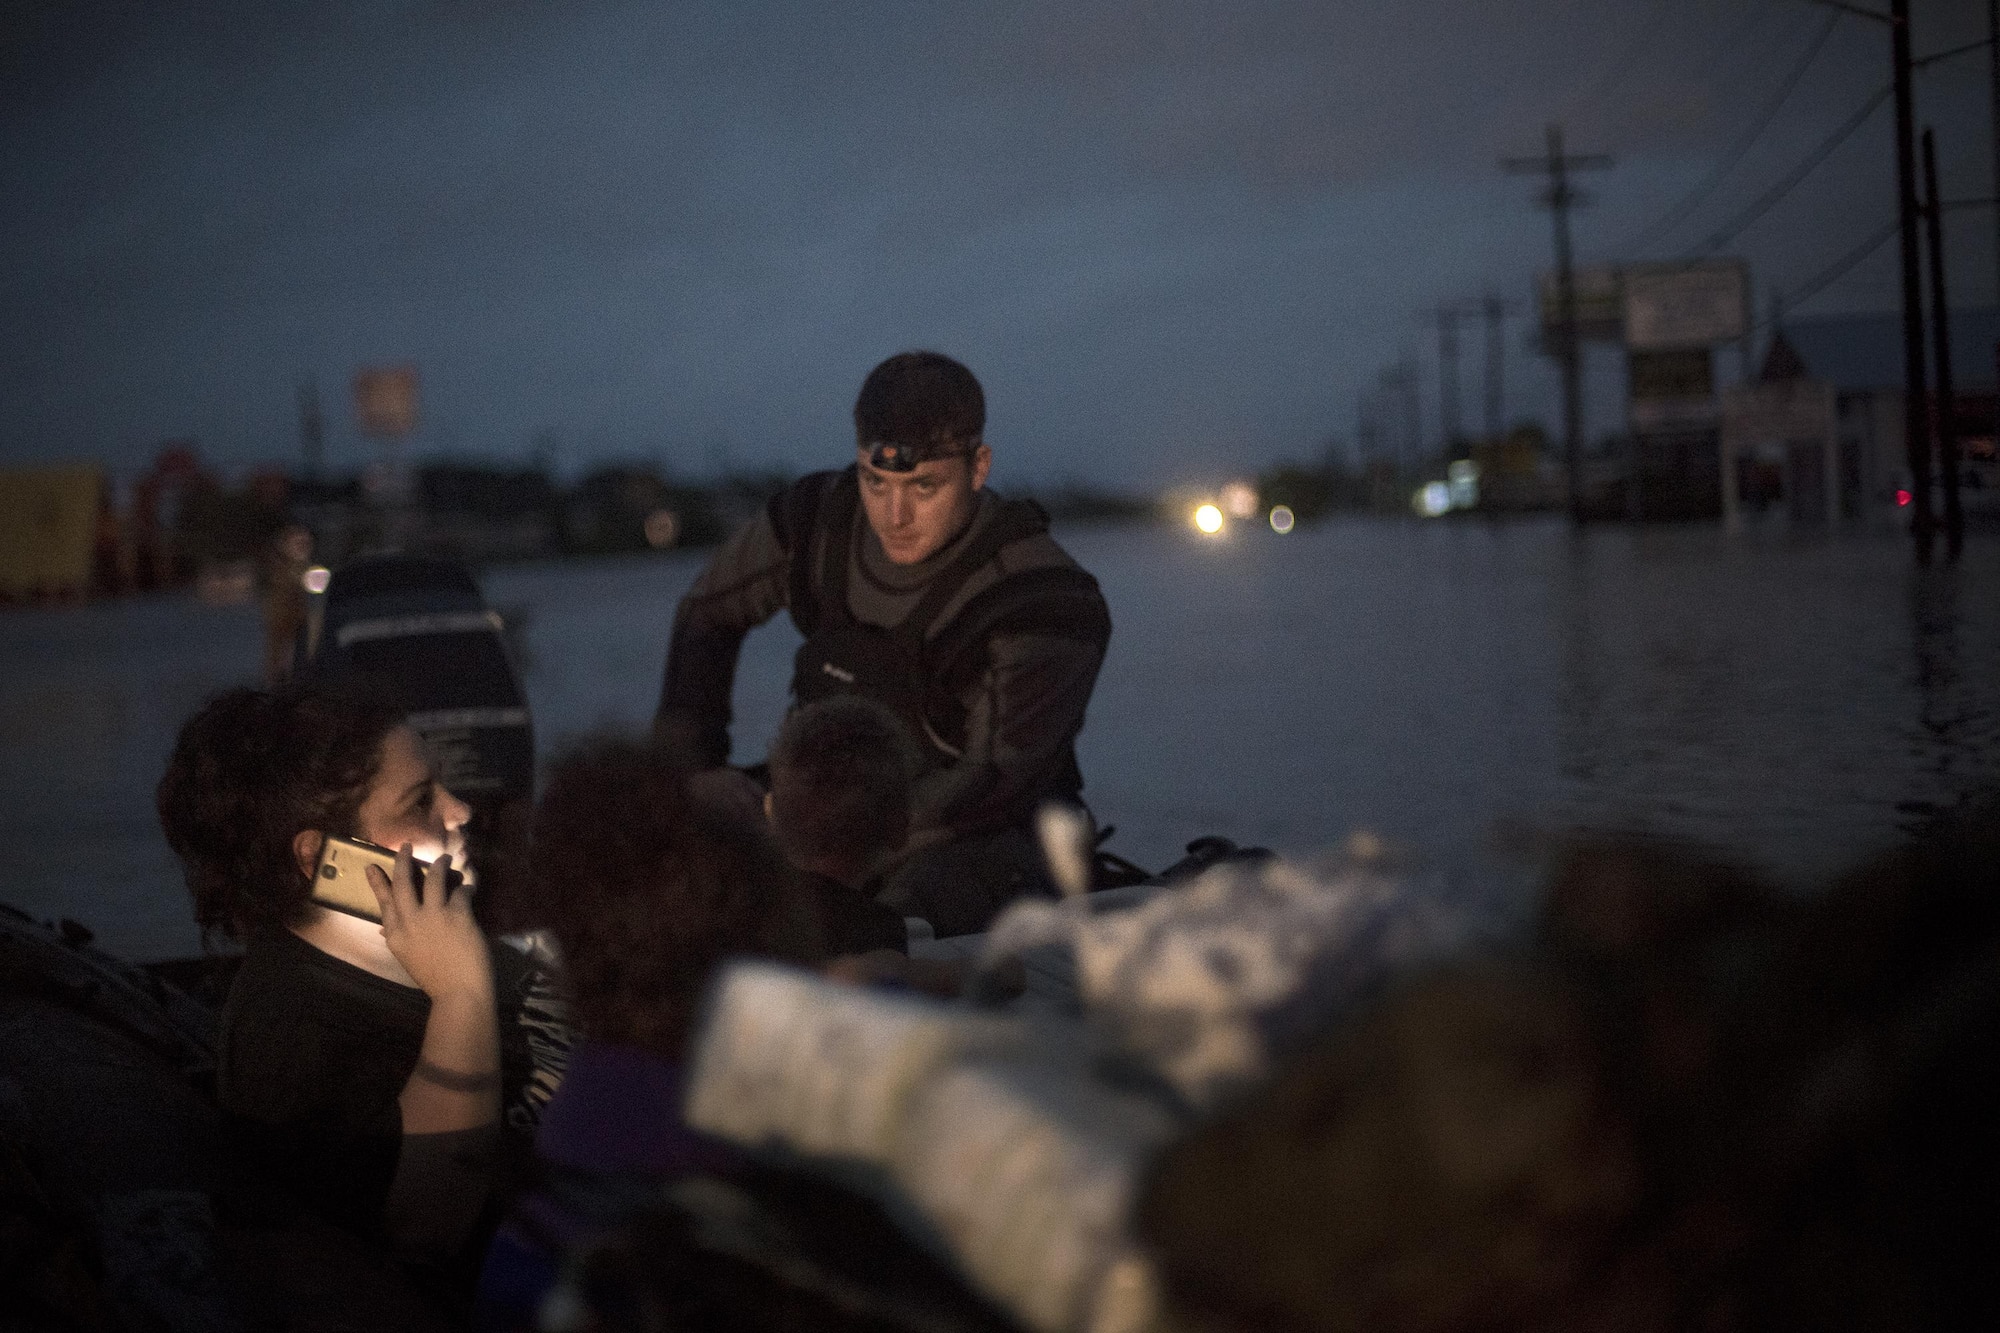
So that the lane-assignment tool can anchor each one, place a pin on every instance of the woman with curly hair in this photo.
(375, 1069)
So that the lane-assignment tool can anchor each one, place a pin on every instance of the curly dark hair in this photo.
(249, 772)
(922, 399)
(647, 889)
(841, 770)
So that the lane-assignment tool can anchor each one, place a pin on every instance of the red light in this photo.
(1902, 498)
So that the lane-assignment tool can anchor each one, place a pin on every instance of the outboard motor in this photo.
(420, 627)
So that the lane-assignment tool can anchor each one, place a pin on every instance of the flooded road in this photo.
(1795, 702)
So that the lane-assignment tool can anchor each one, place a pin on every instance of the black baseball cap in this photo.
(918, 406)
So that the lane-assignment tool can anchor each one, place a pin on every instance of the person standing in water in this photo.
(287, 557)
(916, 586)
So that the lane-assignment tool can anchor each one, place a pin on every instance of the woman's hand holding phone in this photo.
(456, 1082)
(431, 930)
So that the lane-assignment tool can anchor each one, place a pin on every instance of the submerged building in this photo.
(1859, 358)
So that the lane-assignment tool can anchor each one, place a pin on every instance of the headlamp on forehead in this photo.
(899, 456)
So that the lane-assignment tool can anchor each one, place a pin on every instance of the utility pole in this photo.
(1446, 319)
(1560, 198)
(1385, 410)
(1408, 382)
(312, 428)
(1946, 412)
(1397, 395)
(1368, 439)
(1495, 310)
(1916, 420)
(1993, 65)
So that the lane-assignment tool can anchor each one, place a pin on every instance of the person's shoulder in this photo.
(286, 983)
(824, 477)
(274, 958)
(1029, 544)
(816, 484)
(799, 504)
(1030, 585)
(282, 1015)
(1038, 551)
(1023, 557)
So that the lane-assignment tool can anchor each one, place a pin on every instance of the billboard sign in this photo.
(1686, 305)
(1672, 388)
(385, 401)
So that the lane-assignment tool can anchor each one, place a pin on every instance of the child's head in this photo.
(647, 889)
(840, 787)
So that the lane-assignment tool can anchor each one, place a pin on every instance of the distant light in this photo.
(1239, 499)
(1432, 499)
(1464, 483)
(1902, 498)
(663, 528)
(316, 578)
(1209, 519)
(1281, 518)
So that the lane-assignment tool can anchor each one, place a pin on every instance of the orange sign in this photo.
(385, 401)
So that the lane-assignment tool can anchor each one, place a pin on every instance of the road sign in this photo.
(385, 401)
(1685, 305)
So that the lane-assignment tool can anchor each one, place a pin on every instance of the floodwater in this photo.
(1796, 702)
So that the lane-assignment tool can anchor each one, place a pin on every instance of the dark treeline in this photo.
(180, 519)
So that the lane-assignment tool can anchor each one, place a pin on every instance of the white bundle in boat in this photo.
(825, 1069)
(1021, 1160)
(1208, 982)
(1028, 1168)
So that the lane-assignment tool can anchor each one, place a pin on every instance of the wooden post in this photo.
(1944, 413)
(1916, 420)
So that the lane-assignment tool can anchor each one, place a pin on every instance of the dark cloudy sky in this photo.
(1175, 240)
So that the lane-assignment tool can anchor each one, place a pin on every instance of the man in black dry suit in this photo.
(918, 587)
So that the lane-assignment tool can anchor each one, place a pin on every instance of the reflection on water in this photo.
(1795, 702)
(1950, 715)
(1801, 703)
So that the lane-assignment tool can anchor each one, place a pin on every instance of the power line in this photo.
(1835, 271)
(1861, 10)
(1936, 56)
(1642, 42)
(1615, 72)
(1693, 199)
(1763, 204)
(1736, 36)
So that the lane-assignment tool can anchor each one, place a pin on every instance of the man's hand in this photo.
(729, 790)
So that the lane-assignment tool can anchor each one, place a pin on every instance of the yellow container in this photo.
(48, 529)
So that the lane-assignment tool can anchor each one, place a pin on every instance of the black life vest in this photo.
(919, 674)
